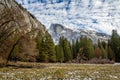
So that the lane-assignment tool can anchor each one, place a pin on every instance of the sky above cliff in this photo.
(98, 15)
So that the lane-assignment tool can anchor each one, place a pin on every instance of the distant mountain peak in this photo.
(58, 30)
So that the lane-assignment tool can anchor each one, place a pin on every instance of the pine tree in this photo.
(110, 54)
(99, 43)
(47, 49)
(77, 46)
(115, 45)
(91, 49)
(51, 48)
(38, 39)
(41, 48)
(74, 49)
(104, 44)
(88, 48)
(43, 53)
(104, 54)
(59, 53)
(103, 51)
(67, 51)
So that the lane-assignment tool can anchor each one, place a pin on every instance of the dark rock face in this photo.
(17, 22)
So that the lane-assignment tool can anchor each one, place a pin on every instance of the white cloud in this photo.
(107, 14)
(97, 3)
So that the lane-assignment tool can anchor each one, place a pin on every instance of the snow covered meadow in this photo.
(63, 72)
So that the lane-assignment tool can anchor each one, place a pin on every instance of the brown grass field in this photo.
(57, 71)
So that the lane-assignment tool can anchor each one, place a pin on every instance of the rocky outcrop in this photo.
(17, 24)
(58, 30)
(13, 12)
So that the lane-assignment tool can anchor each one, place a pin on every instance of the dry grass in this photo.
(62, 71)
(2, 62)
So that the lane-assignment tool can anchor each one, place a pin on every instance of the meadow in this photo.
(63, 71)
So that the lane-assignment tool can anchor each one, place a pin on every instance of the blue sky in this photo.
(98, 15)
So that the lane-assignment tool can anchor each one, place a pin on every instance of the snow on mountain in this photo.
(98, 15)
(58, 30)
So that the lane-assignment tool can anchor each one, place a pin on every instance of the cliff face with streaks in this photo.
(17, 26)
(15, 13)
(58, 30)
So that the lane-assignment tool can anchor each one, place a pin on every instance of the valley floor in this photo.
(64, 71)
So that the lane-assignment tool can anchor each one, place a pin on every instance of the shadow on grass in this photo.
(23, 65)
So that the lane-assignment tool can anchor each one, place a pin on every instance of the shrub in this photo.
(2, 62)
(100, 61)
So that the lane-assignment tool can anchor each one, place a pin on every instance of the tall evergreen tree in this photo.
(91, 49)
(67, 51)
(115, 45)
(47, 49)
(77, 45)
(74, 49)
(50, 48)
(59, 53)
(43, 53)
(103, 51)
(110, 54)
(38, 39)
(40, 45)
(104, 54)
(88, 48)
